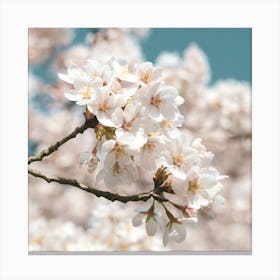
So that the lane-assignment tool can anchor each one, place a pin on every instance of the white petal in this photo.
(142, 208)
(108, 145)
(72, 96)
(101, 175)
(207, 180)
(83, 157)
(178, 172)
(219, 199)
(117, 117)
(117, 100)
(165, 236)
(138, 219)
(80, 82)
(151, 227)
(65, 78)
(179, 100)
(215, 190)
(104, 118)
(180, 234)
(154, 113)
(130, 111)
(168, 110)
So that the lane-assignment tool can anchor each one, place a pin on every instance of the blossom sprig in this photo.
(136, 120)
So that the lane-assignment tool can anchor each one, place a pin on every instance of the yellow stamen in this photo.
(116, 169)
(166, 123)
(152, 133)
(146, 75)
(127, 126)
(86, 93)
(104, 107)
(194, 185)
(156, 101)
(179, 159)
(149, 146)
(125, 70)
(119, 150)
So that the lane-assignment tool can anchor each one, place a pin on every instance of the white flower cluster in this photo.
(105, 219)
(138, 119)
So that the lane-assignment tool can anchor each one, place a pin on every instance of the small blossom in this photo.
(202, 186)
(160, 102)
(90, 160)
(176, 230)
(104, 106)
(147, 74)
(150, 216)
(121, 70)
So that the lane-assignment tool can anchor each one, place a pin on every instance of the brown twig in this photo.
(108, 195)
(92, 123)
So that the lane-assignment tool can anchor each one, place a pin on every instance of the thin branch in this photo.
(108, 195)
(241, 136)
(88, 124)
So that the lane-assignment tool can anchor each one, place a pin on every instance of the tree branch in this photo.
(105, 194)
(92, 123)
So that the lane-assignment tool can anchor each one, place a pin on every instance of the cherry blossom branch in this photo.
(89, 123)
(105, 194)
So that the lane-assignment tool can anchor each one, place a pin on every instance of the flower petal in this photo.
(138, 219)
(151, 227)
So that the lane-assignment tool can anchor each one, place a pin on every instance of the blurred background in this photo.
(210, 67)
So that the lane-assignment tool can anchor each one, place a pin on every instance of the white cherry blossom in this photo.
(160, 102)
(201, 186)
(180, 157)
(151, 151)
(147, 74)
(104, 106)
(150, 216)
(122, 71)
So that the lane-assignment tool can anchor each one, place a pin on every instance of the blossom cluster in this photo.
(57, 235)
(219, 113)
(139, 121)
(224, 106)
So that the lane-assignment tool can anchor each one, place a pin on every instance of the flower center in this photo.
(179, 159)
(166, 123)
(149, 146)
(156, 100)
(116, 169)
(146, 75)
(86, 93)
(119, 150)
(104, 107)
(194, 185)
(127, 126)
(124, 70)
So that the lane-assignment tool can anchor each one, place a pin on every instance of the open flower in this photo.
(150, 216)
(181, 157)
(84, 90)
(160, 102)
(129, 119)
(121, 71)
(104, 106)
(202, 186)
(118, 164)
(147, 74)
(151, 151)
